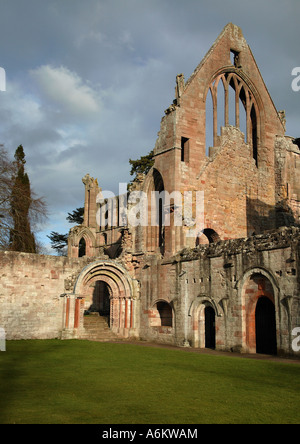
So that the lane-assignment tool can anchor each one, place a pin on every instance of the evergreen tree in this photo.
(21, 237)
(59, 241)
(76, 217)
(142, 165)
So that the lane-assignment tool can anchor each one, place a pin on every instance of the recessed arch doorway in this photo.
(265, 326)
(259, 312)
(107, 288)
(204, 314)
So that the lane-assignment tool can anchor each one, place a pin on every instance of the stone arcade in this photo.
(235, 285)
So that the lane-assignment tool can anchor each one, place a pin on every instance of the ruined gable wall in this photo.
(239, 196)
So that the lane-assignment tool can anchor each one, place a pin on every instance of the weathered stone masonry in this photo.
(232, 286)
(230, 276)
(32, 289)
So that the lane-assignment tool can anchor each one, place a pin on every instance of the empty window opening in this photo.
(254, 134)
(82, 247)
(229, 102)
(221, 106)
(232, 103)
(235, 58)
(209, 122)
(159, 186)
(165, 314)
(242, 113)
(184, 149)
(207, 236)
(156, 217)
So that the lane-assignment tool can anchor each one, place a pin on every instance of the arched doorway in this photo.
(258, 296)
(210, 327)
(205, 317)
(265, 326)
(101, 298)
(106, 288)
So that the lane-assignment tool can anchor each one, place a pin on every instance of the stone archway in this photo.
(122, 293)
(206, 323)
(258, 296)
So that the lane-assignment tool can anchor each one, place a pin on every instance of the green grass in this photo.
(67, 382)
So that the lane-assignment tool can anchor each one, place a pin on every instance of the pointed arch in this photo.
(209, 135)
(155, 230)
(81, 242)
(242, 108)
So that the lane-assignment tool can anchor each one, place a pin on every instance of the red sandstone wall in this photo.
(30, 289)
(239, 196)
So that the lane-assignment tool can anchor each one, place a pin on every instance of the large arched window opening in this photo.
(82, 247)
(229, 101)
(156, 220)
(209, 123)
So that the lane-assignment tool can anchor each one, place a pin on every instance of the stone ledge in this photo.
(273, 240)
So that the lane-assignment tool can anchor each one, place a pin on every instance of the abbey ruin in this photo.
(232, 282)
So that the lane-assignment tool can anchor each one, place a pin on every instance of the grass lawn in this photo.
(81, 382)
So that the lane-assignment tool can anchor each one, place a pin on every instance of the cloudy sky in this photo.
(87, 82)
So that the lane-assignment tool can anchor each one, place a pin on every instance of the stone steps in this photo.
(96, 329)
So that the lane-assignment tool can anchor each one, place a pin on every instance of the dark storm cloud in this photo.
(88, 82)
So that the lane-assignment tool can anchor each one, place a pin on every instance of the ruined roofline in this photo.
(280, 238)
(210, 51)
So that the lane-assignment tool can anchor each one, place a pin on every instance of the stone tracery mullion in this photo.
(226, 104)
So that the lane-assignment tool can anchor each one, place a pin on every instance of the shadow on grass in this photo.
(14, 369)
